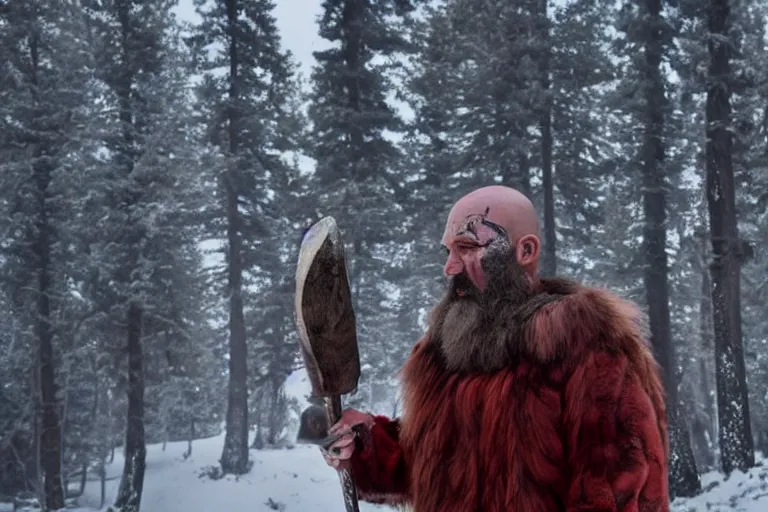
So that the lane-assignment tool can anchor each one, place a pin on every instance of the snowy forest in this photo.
(157, 175)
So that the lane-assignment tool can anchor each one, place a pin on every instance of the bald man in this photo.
(525, 395)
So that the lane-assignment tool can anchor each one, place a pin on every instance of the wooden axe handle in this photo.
(333, 413)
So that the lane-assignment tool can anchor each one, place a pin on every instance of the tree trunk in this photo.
(50, 434)
(707, 347)
(275, 410)
(234, 457)
(353, 21)
(735, 436)
(702, 444)
(258, 439)
(50, 428)
(38, 420)
(684, 479)
(762, 439)
(102, 483)
(549, 253)
(132, 483)
(191, 438)
(83, 473)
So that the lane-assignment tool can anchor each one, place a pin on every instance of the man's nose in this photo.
(453, 266)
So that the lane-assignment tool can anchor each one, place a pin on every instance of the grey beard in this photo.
(484, 334)
(471, 340)
(478, 332)
(468, 340)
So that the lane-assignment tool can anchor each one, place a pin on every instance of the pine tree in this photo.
(746, 79)
(42, 95)
(17, 412)
(748, 104)
(736, 444)
(544, 58)
(140, 195)
(249, 118)
(273, 357)
(358, 173)
(648, 41)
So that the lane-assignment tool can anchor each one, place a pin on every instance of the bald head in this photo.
(503, 206)
(488, 214)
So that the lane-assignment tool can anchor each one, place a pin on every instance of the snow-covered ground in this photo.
(290, 480)
(299, 480)
(742, 492)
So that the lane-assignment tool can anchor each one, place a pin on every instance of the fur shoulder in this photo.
(585, 319)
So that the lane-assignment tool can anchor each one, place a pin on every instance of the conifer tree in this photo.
(648, 41)
(42, 99)
(736, 444)
(358, 175)
(249, 117)
(709, 70)
(142, 193)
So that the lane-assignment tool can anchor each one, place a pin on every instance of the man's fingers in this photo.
(344, 441)
(345, 453)
(349, 420)
(340, 451)
(338, 464)
(339, 428)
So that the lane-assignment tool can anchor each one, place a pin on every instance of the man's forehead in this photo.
(473, 221)
(503, 209)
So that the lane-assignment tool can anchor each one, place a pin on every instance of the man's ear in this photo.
(527, 250)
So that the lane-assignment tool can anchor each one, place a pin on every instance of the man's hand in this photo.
(338, 453)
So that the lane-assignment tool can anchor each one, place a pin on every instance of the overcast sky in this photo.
(296, 20)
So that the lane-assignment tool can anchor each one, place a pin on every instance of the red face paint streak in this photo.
(467, 246)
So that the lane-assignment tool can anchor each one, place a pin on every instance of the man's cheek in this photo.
(477, 275)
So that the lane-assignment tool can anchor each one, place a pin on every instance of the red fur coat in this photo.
(578, 424)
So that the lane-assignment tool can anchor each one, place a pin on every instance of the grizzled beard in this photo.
(479, 331)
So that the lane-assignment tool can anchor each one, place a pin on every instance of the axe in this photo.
(327, 333)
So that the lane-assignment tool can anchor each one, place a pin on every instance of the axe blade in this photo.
(325, 318)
